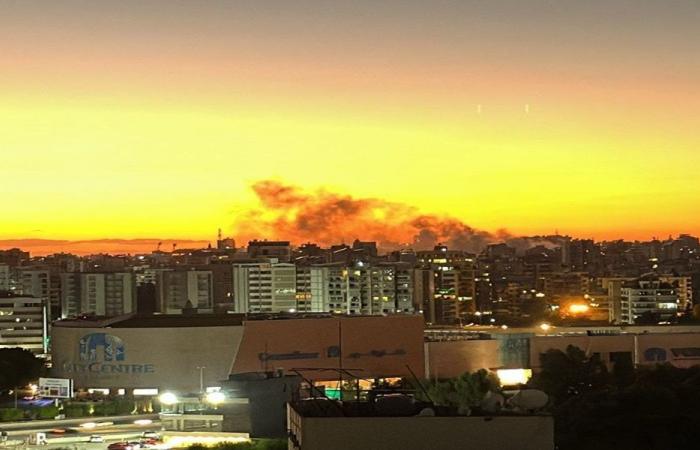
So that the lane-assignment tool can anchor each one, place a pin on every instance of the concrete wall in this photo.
(678, 349)
(453, 358)
(164, 358)
(425, 433)
(380, 346)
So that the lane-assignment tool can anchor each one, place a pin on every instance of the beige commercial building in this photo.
(171, 352)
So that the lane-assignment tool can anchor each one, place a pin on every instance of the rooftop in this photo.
(141, 320)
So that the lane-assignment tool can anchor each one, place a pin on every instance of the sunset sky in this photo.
(153, 119)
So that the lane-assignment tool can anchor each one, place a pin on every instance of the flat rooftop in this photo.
(154, 321)
(140, 320)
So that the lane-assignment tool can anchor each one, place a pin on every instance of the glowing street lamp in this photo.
(168, 398)
(215, 398)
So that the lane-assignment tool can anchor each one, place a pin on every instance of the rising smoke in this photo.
(289, 213)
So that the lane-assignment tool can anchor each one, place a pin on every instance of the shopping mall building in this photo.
(148, 354)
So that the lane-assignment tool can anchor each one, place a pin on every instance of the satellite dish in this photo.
(492, 402)
(427, 412)
(529, 400)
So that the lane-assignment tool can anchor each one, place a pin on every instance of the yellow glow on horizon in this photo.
(91, 167)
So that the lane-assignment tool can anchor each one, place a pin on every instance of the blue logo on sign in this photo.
(112, 347)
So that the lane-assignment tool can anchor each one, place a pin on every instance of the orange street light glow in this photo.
(578, 308)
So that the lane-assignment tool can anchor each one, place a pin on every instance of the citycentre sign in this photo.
(104, 354)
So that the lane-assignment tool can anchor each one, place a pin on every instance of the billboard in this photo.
(55, 387)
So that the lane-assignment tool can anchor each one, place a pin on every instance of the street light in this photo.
(168, 398)
(215, 398)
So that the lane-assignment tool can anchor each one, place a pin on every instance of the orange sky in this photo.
(153, 119)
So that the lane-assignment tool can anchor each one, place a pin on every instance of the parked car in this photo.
(148, 442)
(150, 435)
(63, 431)
(96, 439)
(121, 446)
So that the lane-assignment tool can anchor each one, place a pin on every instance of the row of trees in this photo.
(256, 444)
(626, 408)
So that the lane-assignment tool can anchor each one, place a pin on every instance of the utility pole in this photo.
(201, 378)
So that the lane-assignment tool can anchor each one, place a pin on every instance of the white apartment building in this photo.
(362, 289)
(23, 322)
(681, 285)
(101, 294)
(647, 295)
(265, 287)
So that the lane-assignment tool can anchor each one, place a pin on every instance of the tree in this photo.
(566, 374)
(657, 411)
(18, 367)
(463, 393)
(47, 412)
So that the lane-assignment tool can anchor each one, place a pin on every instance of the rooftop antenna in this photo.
(219, 233)
(420, 385)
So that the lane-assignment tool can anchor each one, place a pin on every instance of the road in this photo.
(78, 439)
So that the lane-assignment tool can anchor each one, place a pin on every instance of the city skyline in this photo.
(291, 213)
(153, 121)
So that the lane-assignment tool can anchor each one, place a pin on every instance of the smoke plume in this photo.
(286, 212)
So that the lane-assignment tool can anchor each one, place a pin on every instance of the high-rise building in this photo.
(454, 283)
(424, 293)
(647, 299)
(5, 281)
(362, 288)
(36, 283)
(100, 294)
(303, 288)
(266, 287)
(281, 250)
(181, 290)
(560, 285)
